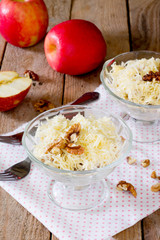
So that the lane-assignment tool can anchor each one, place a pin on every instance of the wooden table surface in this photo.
(126, 25)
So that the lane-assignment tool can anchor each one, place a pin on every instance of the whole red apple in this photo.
(74, 47)
(23, 23)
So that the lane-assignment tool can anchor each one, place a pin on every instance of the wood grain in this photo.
(18, 224)
(115, 31)
(132, 233)
(2, 48)
(145, 24)
(151, 226)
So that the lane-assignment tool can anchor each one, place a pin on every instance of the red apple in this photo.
(13, 89)
(23, 23)
(74, 47)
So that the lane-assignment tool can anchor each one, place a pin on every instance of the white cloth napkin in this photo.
(122, 210)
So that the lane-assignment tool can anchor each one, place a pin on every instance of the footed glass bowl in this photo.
(143, 120)
(77, 190)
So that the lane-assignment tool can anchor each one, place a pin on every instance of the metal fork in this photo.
(16, 139)
(17, 171)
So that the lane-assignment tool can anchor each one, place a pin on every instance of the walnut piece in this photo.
(43, 105)
(145, 163)
(75, 149)
(151, 75)
(154, 175)
(155, 187)
(74, 129)
(68, 142)
(32, 75)
(131, 160)
(58, 143)
(123, 185)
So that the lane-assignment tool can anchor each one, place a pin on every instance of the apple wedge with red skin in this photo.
(13, 89)
(75, 47)
(23, 23)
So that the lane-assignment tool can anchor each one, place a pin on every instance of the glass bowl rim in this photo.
(57, 170)
(116, 96)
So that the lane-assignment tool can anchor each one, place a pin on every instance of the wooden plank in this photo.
(15, 221)
(132, 233)
(151, 226)
(145, 24)
(115, 31)
(2, 48)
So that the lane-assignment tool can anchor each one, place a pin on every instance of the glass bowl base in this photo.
(78, 198)
(143, 131)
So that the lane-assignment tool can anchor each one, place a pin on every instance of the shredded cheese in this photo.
(98, 137)
(128, 84)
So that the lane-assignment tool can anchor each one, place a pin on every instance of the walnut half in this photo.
(75, 149)
(131, 160)
(123, 185)
(43, 105)
(155, 187)
(32, 75)
(154, 175)
(145, 163)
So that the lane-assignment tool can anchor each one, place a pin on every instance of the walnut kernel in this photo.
(32, 75)
(58, 143)
(123, 185)
(153, 174)
(131, 160)
(75, 149)
(43, 105)
(155, 187)
(145, 163)
(151, 75)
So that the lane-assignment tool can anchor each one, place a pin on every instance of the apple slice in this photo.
(13, 92)
(7, 76)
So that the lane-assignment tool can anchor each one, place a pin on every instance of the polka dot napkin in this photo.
(120, 212)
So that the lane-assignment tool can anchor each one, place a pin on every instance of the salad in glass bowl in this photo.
(78, 146)
(132, 80)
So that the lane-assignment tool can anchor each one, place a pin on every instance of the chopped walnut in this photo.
(43, 105)
(123, 185)
(151, 75)
(131, 160)
(73, 132)
(155, 187)
(68, 142)
(145, 163)
(32, 75)
(154, 175)
(75, 149)
(59, 143)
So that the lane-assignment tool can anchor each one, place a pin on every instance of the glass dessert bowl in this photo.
(74, 189)
(142, 119)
